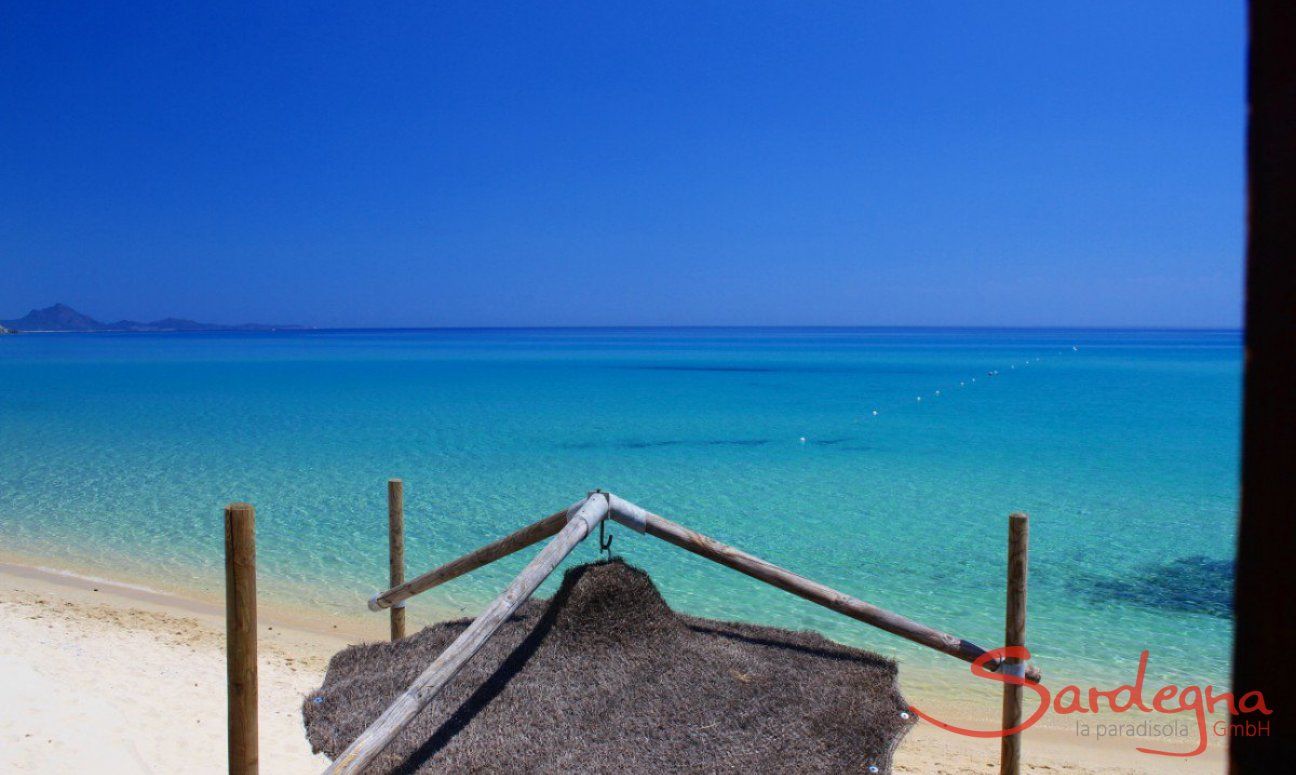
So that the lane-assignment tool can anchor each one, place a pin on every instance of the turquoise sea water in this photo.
(120, 450)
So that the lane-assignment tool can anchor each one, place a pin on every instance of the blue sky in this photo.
(605, 163)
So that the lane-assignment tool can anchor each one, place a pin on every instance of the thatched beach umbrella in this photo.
(606, 677)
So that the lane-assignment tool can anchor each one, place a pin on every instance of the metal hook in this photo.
(605, 545)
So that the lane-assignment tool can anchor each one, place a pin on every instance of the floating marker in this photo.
(937, 392)
(803, 439)
(917, 398)
(875, 413)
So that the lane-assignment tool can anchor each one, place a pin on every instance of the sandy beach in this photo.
(106, 675)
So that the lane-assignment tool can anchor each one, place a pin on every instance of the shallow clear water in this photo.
(120, 450)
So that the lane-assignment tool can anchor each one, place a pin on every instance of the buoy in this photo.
(937, 392)
(875, 413)
(803, 439)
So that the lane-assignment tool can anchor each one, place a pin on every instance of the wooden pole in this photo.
(371, 742)
(517, 541)
(1264, 594)
(1014, 635)
(396, 550)
(240, 637)
(813, 591)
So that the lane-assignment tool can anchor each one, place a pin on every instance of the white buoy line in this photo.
(962, 383)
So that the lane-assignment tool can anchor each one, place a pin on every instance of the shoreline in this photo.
(192, 601)
(77, 692)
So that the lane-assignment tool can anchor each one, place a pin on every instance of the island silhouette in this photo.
(62, 318)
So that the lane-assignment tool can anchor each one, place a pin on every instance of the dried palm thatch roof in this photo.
(605, 677)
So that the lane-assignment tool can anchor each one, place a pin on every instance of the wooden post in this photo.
(241, 637)
(1264, 594)
(371, 742)
(1014, 635)
(396, 550)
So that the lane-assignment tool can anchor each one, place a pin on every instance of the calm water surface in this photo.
(120, 450)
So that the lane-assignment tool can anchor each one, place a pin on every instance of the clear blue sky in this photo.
(604, 163)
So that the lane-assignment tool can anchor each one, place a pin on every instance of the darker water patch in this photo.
(874, 369)
(840, 443)
(637, 444)
(1195, 584)
(717, 369)
(662, 443)
(724, 369)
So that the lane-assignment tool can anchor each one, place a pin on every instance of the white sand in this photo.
(105, 682)
(100, 677)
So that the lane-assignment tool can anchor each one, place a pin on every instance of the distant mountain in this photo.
(61, 317)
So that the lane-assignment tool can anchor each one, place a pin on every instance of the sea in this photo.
(883, 462)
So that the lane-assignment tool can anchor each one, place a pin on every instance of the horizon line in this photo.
(273, 328)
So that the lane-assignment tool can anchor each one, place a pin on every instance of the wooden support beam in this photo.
(1014, 635)
(241, 637)
(531, 534)
(371, 742)
(813, 591)
(1264, 593)
(396, 550)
